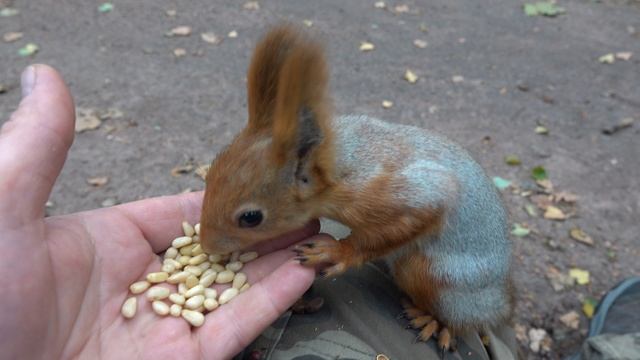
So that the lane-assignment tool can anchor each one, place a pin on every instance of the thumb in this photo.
(34, 143)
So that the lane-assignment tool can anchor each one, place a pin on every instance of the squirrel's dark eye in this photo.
(250, 219)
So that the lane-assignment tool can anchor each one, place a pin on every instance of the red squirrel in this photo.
(410, 197)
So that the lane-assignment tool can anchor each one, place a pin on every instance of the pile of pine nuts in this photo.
(193, 272)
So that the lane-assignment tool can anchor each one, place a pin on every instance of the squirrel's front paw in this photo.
(322, 252)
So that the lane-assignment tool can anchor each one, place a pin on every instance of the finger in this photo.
(34, 142)
(240, 321)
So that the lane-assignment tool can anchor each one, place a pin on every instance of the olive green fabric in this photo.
(360, 320)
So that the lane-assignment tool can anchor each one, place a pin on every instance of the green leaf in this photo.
(539, 173)
(105, 7)
(520, 231)
(530, 9)
(6, 12)
(544, 8)
(501, 183)
(512, 160)
(531, 210)
(589, 306)
(28, 50)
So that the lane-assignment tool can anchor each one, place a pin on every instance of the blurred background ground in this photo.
(554, 91)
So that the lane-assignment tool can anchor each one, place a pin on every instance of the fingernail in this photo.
(28, 80)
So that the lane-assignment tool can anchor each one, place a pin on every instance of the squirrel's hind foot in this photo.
(429, 327)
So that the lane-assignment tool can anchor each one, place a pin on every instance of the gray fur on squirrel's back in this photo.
(472, 253)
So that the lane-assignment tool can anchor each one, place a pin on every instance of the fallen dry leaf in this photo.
(202, 171)
(457, 78)
(380, 5)
(3, 89)
(12, 36)
(581, 276)
(180, 31)
(419, 43)
(410, 76)
(181, 169)
(564, 196)
(387, 104)
(307, 22)
(607, 59)
(232, 34)
(553, 213)
(579, 235)
(210, 38)
(541, 130)
(623, 124)
(521, 333)
(559, 281)
(111, 113)
(571, 320)
(179, 52)
(98, 181)
(401, 8)
(546, 184)
(536, 337)
(366, 46)
(171, 13)
(86, 119)
(624, 55)
(541, 201)
(251, 5)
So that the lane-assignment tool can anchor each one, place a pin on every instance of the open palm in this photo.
(65, 278)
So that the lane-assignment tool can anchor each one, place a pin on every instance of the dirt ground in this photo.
(488, 77)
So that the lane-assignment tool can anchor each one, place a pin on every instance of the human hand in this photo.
(65, 278)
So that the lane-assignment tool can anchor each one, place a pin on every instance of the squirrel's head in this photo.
(270, 178)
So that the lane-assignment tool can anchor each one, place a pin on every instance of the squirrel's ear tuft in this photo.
(301, 116)
(264, 72)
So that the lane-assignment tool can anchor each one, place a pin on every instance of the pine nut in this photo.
(207, 280)
(210, 293)
(217, 267)
(182, 288)
(129, 307)
(173, 262)
(225, 277)
(184, 260)
(234, 256)
(227, 295)
(194, 302)
(197, 228)
(186, 250)
(205, 265)
(139, 287)
(187, 229)
(191, 281)
(157, 293)
(239, 280)
(171, 253)
(160, 307)
(178, 277)
(245, 287)
(215, 258)
(157, 277)
(196, 290)
(210, 304)
(234, 266)
(181, 241)
(193, 317)
(175, 310)
(198, 259)
(207, 273)
(177, 299)
(248, 256)
(197, 250)
(168, 268)
(194, 270)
